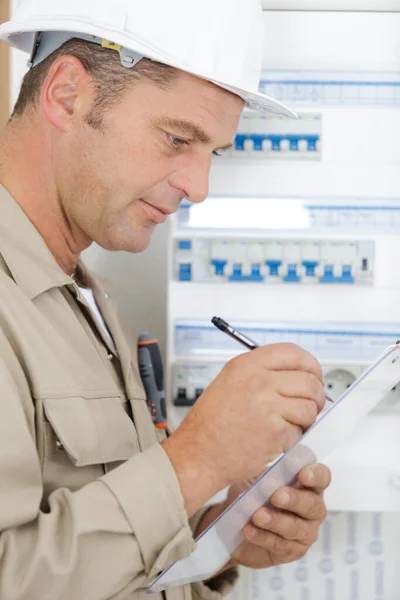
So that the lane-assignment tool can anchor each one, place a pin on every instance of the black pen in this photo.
(241, 338)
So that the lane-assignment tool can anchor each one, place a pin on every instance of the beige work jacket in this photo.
(90, 505)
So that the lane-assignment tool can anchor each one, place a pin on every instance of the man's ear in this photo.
(65, 92)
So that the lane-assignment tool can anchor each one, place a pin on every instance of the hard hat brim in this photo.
(259, 102)
(21, 36)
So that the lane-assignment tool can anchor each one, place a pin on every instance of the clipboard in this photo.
(219, 541)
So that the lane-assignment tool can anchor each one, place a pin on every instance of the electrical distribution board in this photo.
(298, 242)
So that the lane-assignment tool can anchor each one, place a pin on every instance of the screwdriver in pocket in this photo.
(152, 374)
(241, 338)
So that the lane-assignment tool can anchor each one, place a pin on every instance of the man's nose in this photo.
(192, 178)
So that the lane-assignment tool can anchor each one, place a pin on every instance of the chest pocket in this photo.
(81, 436)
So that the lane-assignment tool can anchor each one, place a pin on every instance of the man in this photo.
(95, 501)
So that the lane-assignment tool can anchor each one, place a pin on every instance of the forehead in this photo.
(187, 98)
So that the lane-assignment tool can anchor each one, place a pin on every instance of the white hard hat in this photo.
(217, 40)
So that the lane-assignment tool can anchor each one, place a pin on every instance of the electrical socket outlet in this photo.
(337, 381)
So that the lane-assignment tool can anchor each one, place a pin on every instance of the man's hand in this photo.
(286, 532)
(257, 408)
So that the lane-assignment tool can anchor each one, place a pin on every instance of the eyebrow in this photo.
(188, 128)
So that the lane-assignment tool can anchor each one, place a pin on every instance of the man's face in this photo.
(154, 149)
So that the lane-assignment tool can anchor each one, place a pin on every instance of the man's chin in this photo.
(133, 244)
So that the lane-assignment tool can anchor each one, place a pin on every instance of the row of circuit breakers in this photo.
(275, 261)
(265, 136)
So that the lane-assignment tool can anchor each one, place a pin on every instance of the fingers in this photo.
(301, 510)
(288, 526)
(299, 411)
(282, 550)
(306, 504)
(300, 385)
(317, 477)
(287, 357)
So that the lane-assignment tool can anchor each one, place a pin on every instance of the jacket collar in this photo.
(25, 252)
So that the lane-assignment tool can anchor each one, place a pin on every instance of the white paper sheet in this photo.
(223, 537)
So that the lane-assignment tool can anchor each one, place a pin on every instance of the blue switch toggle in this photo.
(240, 140)
(328, 277)
(347, 276)
(293, 142)
(258, 141)
(311, 142)
(236, 273)
(310, 266)
(185, 272)
(219, 266)
(185, 244)
(276, 142)
(273, 266)
(292, 276)
(255, 273)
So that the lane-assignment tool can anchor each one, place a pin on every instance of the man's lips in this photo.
(155, 214)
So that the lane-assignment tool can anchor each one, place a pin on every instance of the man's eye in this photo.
(177, 142)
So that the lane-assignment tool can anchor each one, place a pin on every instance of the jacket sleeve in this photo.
(115, 533)
(220, 586)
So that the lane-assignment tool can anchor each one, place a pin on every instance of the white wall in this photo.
(140, 283)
